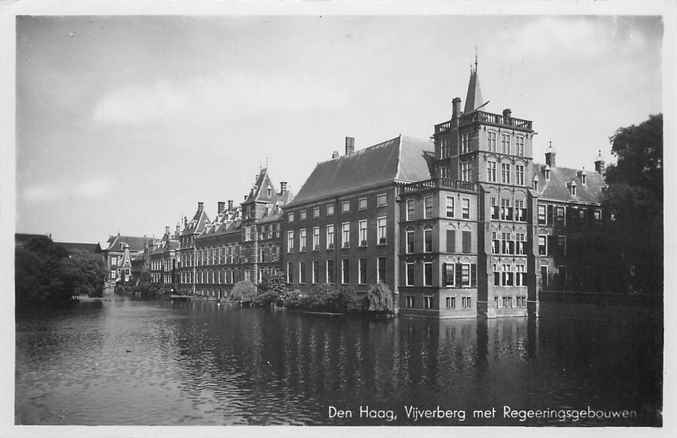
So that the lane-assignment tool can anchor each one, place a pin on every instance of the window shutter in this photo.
(451, 240)
(444, 274)
(466, 241)
(550, 214)
(550, 250)
(473, 275)
(457, 282)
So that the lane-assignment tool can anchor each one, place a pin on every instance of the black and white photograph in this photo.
(337, 219)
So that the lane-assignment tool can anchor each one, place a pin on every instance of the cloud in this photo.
(225, 97)
(88, 189)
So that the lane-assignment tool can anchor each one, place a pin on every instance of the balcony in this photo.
(485, 118)
(438, 183)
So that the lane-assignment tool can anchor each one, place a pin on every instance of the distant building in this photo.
(163, 259)
(118, 254)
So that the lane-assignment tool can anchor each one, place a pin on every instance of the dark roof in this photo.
(197, 224)
(401, 159)
(72, 247)
(23, 238)
(135, 243)
(557, 187)
(473, 98)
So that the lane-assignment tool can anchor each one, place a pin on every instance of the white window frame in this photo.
(331, 236)
(409, 281)
(345, 243)
(363, 232)
(382, 230)
(428, 282)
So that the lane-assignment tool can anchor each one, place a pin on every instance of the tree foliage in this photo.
(45, 274)
(243, 290)
(381, 298)
(635, 198)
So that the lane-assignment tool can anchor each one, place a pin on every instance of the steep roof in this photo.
(473, 98)
(400, 159)
(198, 223)
(557, 187)
(134, 243)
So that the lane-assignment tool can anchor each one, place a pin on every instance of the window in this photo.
(466, 171)
(316, 211)
(381, 270)
(519, 144)
(382, 200)
(491, 171)
(290, 241)
(363, 232)
(316, 238)
(495, 243)
(428, 302)
(465, 208)
(521, 244)
(362, 271)
(411, 209)
(559, 215)
(573, 188)
(345, 206)
(534, 185)
(451, 302)
(290, 217)
(410, 301)
(113, 274)
(290, 272)
(583, 178)
(520, 211)
(466, 236)
(519, 175)
(345, 236)
(465, 275)
(542, 245)
(302, 272)
(494, 208)
(505, 143)
(507, 275)
(544, 276)
(427, 274)
(448, 274)
(410, 241)
(345, 271)
(410, 273)
(330, 236)
(467, 302)
(506, 210)
(451, 241)
(465, 143)
(562, 270)
(303, 240)
(597, 215)
(505, 241)
(520, 276)
(428, 240)
(362, 204)
(541, 215)
(505, 173)
(492, 141)
(450, 206)
(330, 209)
(427, 207)
(381, 230)
(444, 147)
(302, 215)
(497, 276)
(444, 172)
(330, 272)
(562, 245)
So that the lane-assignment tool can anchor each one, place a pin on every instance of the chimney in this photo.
(599, 163)
(456, 108)
(283, 187)
(230, 205)
(506, 115)
(200, 206)
(220, 206)
(334, 155)
(550, 156)
(245, 197)
(350, 145)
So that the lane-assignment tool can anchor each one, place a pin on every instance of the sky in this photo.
(124, 123)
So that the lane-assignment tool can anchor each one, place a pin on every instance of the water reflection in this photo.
(130, 362)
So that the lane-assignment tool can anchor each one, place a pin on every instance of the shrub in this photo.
(243, 290)
(266, 299)
(380, 299)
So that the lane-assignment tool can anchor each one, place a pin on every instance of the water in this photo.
(158, 363)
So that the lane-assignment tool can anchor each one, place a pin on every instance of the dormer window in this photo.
(547, 173)
(572, 188)
(534, 184)
(583, 178)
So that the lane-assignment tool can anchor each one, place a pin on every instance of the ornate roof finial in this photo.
(475, 58)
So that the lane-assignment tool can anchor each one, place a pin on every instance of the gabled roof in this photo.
(259, 191)
(134, 243)
(197, 224)
(400, 159)
(557, 187)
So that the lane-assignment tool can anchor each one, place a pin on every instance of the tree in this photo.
(635, 199)
(243, 290)
(381, 298)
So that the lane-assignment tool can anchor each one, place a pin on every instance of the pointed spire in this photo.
(473, 98)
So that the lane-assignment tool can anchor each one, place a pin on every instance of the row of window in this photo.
(508, 275)
(346, 206)
(227, 255)
(428, 211)
(506, 302)
(548, 215)
(411, 241)
(427, 302)
(507, 212)
(324, 271)
(506, 173)
(212, 277)
(508, 245)
(544, 247)
(447, 151)
(161, 265)
(457, 275)
(330, 236)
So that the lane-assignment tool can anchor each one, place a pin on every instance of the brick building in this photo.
(163, 259)
(343, 226)
(118, 254)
